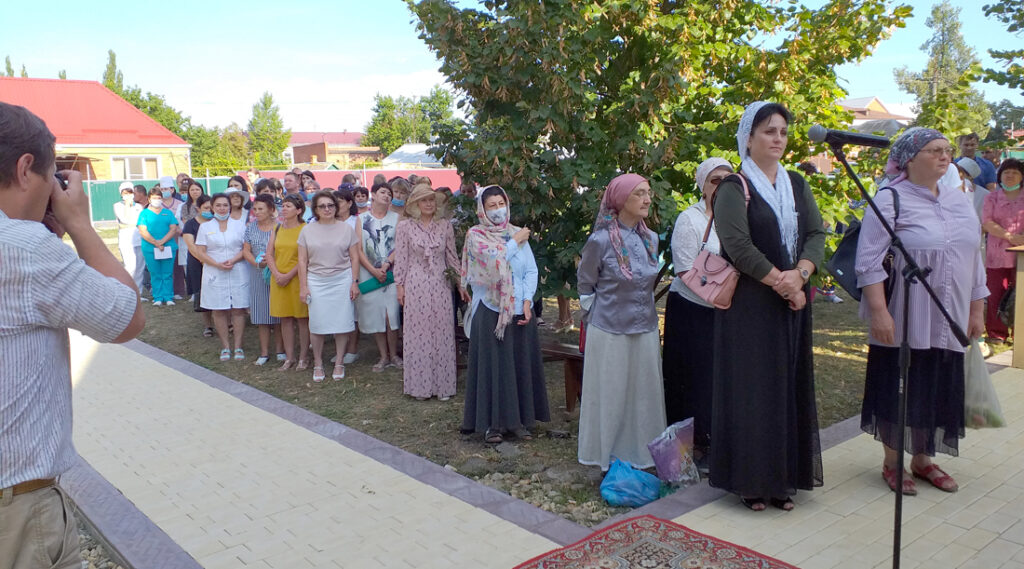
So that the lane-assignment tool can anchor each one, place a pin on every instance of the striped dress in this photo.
(259, 289)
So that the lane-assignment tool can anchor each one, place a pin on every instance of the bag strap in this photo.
(711, 218)
(895, 200)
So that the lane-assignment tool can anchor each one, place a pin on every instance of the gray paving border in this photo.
(139, 541)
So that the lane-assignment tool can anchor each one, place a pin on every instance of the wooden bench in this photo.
(573, 366)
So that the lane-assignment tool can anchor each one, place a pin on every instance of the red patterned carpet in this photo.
(647, 542)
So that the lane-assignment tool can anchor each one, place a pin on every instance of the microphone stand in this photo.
(912, 273)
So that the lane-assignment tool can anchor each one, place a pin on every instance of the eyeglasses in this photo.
(948, 151)
(325, 206)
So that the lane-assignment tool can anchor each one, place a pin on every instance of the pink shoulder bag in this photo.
(712, 277)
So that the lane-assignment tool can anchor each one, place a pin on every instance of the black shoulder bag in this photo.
(843, 262)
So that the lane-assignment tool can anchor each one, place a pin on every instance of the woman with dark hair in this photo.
(505, 391)
(764, 429)
(327, 249)
(193, 190)
(194, 267)
(623, 405)
(378, 308)
(225, 288)
(1002, 217)
(257, 235)
(424, 250)
(238, 193)
(361, 196)
(158, 229)
(347, 210)
(285, 303)
(938, 227)
(689, 319)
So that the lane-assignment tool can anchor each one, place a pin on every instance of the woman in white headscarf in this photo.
(764, 420)
(689, 318)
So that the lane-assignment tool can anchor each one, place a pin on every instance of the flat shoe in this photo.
(524, 434)
(261, 360)
(303, 365)
(890, 476)
(492, 437)
(379, 366)
(784, 504)
(937, 481)
(239, 354)
(338, 375)
(287, 365)
(318, 374)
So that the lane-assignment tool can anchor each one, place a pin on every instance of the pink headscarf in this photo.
(614, 199)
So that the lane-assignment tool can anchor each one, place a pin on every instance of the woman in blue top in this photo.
(158, 228)
(505, 389)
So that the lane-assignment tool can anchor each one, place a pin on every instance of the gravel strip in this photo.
(94, 556)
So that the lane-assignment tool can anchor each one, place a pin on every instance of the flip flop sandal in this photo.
(784, 504)
(936, 481)
(287, 365)
(303, 365)
(891, 476)
(379, 366)
(318, 374)
(754, 504)
(208, 333)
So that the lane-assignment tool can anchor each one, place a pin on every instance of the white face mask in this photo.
(156, 204)
(498, 216)
(221, 217)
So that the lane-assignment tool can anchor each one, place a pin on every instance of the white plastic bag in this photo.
(981, 405)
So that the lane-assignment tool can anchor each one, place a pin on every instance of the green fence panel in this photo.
(103, 194)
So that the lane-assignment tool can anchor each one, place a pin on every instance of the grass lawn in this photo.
(543, 471)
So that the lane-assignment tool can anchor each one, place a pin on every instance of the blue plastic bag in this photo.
(625, 485)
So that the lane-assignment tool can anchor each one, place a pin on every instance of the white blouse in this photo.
(686, 239)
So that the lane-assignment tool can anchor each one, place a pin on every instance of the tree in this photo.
(267, 136)
(232, 150)
(62, 74)
(1011, 13)
(401, 120)
(1005, 117)
(112, 78)
(950, 61)
(562, 96)
(24, 72)
(150, 103)
(9, 67)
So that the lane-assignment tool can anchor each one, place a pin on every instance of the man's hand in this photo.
(71, 206)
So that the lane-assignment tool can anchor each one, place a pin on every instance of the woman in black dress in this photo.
(193, 266)
(764, 420)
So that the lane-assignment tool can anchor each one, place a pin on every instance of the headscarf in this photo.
(707, 167)
(614, 199)
(906, 147)
(778, 196)
(485, 264)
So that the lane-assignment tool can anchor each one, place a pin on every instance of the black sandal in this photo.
(785, 504)
(493, 437)
(754, 504)
(524, 434)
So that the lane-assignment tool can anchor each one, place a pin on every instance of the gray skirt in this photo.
(505, 387)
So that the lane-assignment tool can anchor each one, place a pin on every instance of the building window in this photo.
(134, 168)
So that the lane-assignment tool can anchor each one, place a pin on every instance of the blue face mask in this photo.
(206, 215)
(166, 193)
(362, 204)
(222, 217)
(397, 202)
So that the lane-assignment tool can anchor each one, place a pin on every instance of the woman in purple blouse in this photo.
(941, 231)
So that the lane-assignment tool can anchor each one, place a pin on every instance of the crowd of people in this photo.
(302, 263)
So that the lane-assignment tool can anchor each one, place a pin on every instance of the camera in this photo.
(63, 181)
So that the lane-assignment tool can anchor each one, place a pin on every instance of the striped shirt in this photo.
(942, 233)
(45, 289)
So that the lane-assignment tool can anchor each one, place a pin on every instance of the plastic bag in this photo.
(981, 405)
(626, 485)
(673, 454)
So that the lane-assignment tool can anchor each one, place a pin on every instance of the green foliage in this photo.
(563, 95)
(112, 78)
(267, 136)
(24, 72)
(62, 74)
(944, 100)
(9, 68)
(1010, 13)
(1006, 116)
(401, 120)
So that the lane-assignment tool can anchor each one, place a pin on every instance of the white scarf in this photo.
(778, 196)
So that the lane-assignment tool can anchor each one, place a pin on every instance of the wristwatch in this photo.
(805, 274)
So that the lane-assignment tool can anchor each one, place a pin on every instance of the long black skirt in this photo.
(687, 364)
(505, 387)
(935, 399)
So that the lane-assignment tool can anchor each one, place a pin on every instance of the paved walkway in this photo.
(186, 468)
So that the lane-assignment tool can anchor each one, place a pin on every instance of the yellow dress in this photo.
(285, 301)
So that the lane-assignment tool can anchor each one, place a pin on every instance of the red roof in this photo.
(85, 112)
(341, 138)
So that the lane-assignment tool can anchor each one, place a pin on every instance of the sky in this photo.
(324, 60)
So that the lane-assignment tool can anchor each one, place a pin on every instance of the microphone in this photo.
(818, 133)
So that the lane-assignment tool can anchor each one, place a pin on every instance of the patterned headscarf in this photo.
(778, 195)
(707, 167)
(484, 261)
(614, 199)
(906, 147)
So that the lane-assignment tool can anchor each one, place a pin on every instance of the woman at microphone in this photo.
(940, 230)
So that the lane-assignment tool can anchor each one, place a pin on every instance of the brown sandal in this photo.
(891, 476)
(937, 477)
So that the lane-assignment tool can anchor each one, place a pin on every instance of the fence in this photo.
(104, 194)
